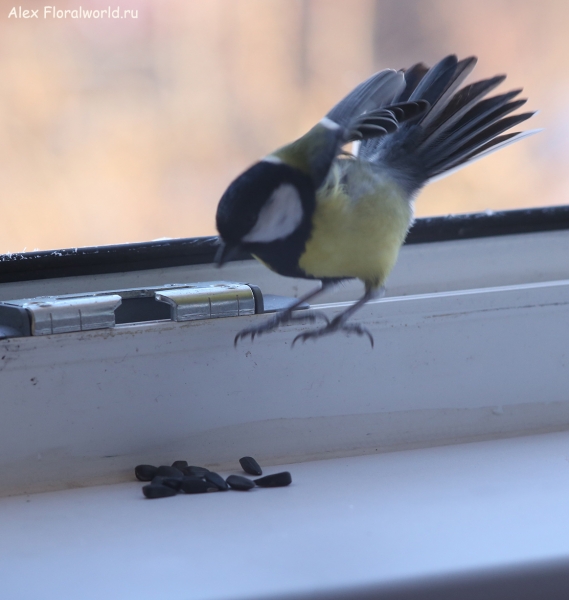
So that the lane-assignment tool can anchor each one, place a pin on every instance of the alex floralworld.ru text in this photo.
(17, 12)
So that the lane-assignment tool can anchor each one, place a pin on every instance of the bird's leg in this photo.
(285, 316)
(338, 323)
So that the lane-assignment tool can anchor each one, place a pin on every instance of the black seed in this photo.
(171, 482)
(165, 471)
(192, 471)
(236, 482)
(196, 485)
(275, 480)
(250, 465)
(180, 464)
(145, 472)
(217, 480)
(158, 491)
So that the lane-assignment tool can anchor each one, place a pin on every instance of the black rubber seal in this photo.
(72, 262)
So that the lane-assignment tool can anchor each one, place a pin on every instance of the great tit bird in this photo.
(312, 210)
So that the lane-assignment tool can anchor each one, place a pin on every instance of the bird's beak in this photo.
(225, 252)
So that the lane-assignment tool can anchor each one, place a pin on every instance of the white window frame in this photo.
(470, 340)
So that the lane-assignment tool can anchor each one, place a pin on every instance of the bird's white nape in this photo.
(329, 124)
(271, 158)
(279, 217)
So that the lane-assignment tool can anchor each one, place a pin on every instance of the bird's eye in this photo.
(279, 216)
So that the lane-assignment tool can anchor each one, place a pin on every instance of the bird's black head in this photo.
(265, 210)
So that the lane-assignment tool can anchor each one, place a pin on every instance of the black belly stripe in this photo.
(281, 256)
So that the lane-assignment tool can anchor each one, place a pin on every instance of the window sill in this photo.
(470, 346)
(468, 521)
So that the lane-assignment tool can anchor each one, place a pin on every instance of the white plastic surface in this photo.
(81, 408)
(363, 523)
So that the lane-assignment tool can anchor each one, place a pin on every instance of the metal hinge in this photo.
(174, 302)
(62, 315)
(211, 300)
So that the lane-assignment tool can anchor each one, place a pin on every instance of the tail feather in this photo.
(435, 82)
(472, 127)
(461, 72)
(413, 77)
(477, 140)
(487, 109)
(458, 127)
(500, 142)
(461, 103)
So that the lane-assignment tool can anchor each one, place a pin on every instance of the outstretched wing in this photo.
(366, 112)
(460, 125)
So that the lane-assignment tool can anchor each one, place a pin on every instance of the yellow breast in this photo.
(358, 226)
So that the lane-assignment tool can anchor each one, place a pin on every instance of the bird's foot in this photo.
(334, 326)
(279, 319)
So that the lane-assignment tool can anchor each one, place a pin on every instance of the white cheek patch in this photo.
(279, 217)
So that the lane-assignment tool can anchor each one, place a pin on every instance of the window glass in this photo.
(128, 126)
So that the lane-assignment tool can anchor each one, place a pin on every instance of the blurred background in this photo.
(130, 129)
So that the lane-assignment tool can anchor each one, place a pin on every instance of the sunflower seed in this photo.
(157, 491)
(196, 485)
(274, 480)
(171, 482)
(195, 471)
(145, 472)
(236, 482)
(217, 480)
(180, 464)
(250, 465)
(166, 471)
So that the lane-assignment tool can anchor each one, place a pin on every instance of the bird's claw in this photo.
(277, 320)
(333, 328)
